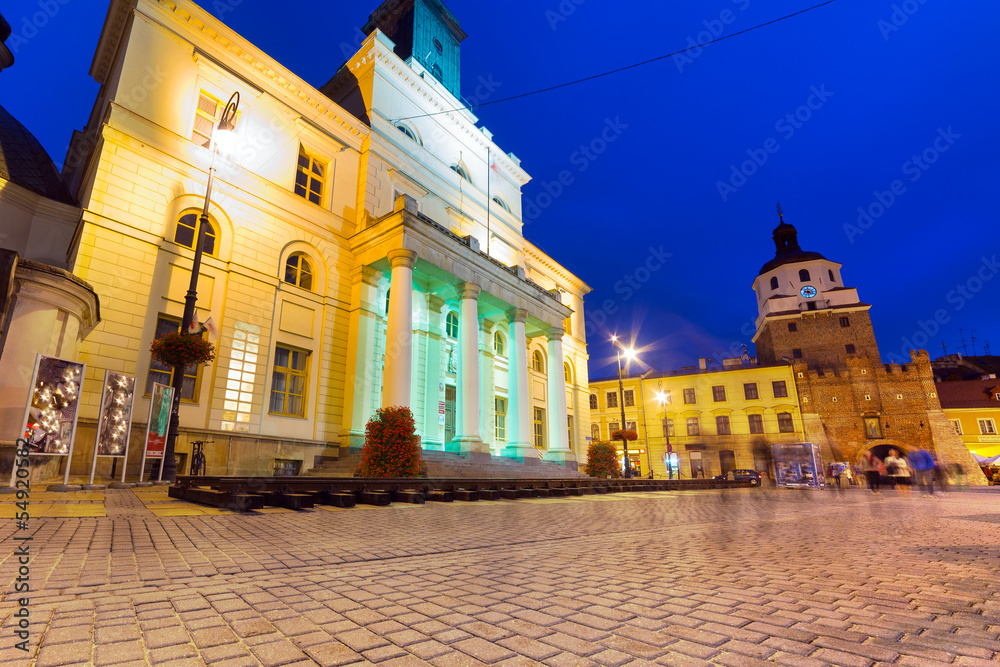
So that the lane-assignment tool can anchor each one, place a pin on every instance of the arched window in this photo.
(568, 373)
(537, 363)
(498, 344)
(774, 282)
(437, 45)
(804, 275)
(409, 133)
(593, 401)
(595, 431)
(299, 271)
(186, 232)
(451, 325)
(832, 279)
(460, 170)
(501, 203)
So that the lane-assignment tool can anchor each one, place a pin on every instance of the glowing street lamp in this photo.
(662, 399)
(630, 355)
(222, 141)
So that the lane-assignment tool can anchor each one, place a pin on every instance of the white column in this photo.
(519, 402)
(433, 395)
(399, 330)
(468, 370)
(558, 427)
(361, 353)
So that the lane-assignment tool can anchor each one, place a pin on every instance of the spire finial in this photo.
(781, 213)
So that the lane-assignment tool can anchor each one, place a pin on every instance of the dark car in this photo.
(749, 475)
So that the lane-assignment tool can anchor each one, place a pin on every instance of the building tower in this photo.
(851, 402)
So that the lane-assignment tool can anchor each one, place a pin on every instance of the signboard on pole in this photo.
(50, 418)
(116, 414)
(159, 419)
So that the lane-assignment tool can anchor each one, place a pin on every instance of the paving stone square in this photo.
(736, 577)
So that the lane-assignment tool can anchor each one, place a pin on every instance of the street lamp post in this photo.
(629, 355)
(662, 398)
(222, 133)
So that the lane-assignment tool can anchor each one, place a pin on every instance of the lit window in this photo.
(537, 362)
(288, 382)
(164, 374)
(595, 430)
(987, 427)
(756, 424)
(612, 399)
(722, 426)
(186, 232)
(310, 175)
(718, 393)
(785, 422)
(629, 398)
(539, 427)
(569, 427)
(689, 396)
(460, 170)
(205, 117)
(568, 326)
(298, 271)
(498, 345)
(750, 391)
(692, 426)
(568, 373)
(593, 401)
(501, 419)
(409, 133)
(774, 282)
(502, 204)
(451, 325)
(804, 275)
(286, 468)
(779, 388)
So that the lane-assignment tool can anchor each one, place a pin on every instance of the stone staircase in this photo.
(446, 464)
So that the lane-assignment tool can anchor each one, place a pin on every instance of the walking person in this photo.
(870, 465)
(922, 464)
(898, 471)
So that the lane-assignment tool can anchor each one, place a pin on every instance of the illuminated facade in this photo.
(350, 264)
(714, 419)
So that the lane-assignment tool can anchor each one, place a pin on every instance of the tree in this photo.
(602, 460)
(392, 448)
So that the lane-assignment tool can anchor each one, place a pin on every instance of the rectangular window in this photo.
(779, 389)
(796, 353)
(722, 426)
(792, 326)
(692, 426)
(844, 322)
(849, 348)
(286, 468)
(205, 117)
(718, 393)
(630, 426)
(289, 379)
(688, 396)
(958, 426)
(785, 422)
(569, 427)
(539, 427)
(987, 427)
(501, 419)
(612, 399)
(310, 175)
(612, 427)
(165, 374)
(668, 428)
(750, 391)
(756, 424)
(629, 398)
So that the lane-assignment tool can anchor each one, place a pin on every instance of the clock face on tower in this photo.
(808, 291)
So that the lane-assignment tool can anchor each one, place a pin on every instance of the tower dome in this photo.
(786, 244)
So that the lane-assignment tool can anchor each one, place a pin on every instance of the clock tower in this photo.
(805, 312)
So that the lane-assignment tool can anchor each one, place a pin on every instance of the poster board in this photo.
(154, 444)
(50, 418)
(798, 465)
(114, 421)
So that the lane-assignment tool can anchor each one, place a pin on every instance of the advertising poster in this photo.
(159, 420)
(50, 420)
(116, 414)
(798, 465)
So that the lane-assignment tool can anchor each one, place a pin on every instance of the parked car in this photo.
(751, 475)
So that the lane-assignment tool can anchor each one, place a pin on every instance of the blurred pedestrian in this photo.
(870, 465)
(923, 469)
(898, 471)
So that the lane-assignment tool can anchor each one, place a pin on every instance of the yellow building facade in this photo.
(973, 406)
(711, 420)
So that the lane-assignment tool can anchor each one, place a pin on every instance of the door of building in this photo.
(697, 470)
(727, 460)
(449, 413)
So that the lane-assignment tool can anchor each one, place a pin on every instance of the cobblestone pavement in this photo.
(742, 577)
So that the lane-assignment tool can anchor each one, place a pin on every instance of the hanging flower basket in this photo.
(622, 434)
(178, 349)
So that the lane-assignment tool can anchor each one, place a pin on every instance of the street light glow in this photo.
(629, 354)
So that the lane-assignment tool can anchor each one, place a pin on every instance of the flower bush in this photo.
(180, 349)
(620, 434)
(602, 460)
(392, 449)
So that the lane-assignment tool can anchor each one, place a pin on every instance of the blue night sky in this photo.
(845, 97)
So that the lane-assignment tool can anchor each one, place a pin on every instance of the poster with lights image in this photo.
(50, 420)
(116, 414)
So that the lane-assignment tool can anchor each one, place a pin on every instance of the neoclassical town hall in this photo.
(364, 250)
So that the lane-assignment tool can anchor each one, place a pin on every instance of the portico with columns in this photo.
(435, 280)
